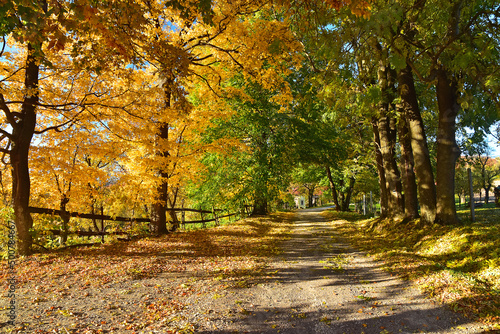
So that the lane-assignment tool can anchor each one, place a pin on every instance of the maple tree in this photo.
(37, 34)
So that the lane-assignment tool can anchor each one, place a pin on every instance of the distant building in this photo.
(300, 202)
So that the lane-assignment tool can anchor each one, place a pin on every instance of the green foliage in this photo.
(257, 166)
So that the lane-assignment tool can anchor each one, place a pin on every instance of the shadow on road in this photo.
(320, 284)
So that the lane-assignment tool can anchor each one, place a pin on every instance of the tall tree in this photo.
(257, 168)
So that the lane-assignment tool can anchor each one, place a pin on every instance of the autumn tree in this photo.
(308, 177)
(169, 40)
(488, 169)
(32, 107)
(37, 34)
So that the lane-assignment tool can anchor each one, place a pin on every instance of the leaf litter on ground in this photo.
(142, 284)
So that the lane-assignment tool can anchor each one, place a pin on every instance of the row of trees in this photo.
(414, 72)
(401, 93)
(485, 170)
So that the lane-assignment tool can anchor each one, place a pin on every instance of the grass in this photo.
(457, 265)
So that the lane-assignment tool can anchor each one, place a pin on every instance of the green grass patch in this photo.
(457, 265)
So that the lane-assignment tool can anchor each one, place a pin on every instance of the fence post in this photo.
(202, 218)
(214, 213)
(183, 216)
(471, 193)
(183, 219)
(102, 224)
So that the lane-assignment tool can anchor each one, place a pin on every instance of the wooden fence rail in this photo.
(101, 217)
(88, 233)
(113, 218)
(85, 215)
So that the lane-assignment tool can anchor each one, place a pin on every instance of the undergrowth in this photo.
(457, 265)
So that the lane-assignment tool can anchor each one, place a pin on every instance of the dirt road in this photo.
(322, 285)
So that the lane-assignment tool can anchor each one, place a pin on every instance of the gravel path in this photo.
(321, 285)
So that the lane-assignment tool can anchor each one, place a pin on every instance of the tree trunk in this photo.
(173, 214)
(407, 168)
(65, 216)
(310, 195)
(261, 177)
(392, 176)
(423, 168)
(447, 149)
(347, 199)
(380, 170)
(387, 136)
(260, 206)
(487, 194)
(22, 134)
(158, 210)
(333, 188)
(92, 212)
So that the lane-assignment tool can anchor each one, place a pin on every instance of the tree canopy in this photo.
(138, 108)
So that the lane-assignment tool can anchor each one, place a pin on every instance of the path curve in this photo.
(322, 285)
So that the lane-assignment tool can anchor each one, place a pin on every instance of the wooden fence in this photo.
(215, 218)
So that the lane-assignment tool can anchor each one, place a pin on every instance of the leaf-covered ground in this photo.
(236, 277)
(139, 285)
(457, 265)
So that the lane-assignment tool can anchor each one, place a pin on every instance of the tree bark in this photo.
(22, 134)
(407, 172)
(261, 177)
(392, 175)
(65, 216)
(423, 168)
(158, 210)
(333, 188)
(388, 137)
(173, 214)
(380, 170)
(347, 199)
(447, 149)
(407, 167)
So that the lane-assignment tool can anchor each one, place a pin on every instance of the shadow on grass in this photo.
(347, 216)
(459, 265)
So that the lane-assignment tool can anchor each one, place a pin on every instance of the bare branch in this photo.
(207, 82)
(3, 46)
(109, 129)
(228, 52)
(58, 127)
(8, 114)
(5, 134)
